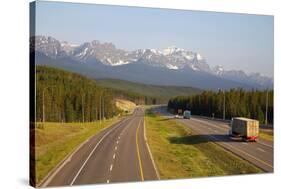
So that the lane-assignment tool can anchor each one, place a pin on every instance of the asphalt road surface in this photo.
(117, 154)
(258, 153)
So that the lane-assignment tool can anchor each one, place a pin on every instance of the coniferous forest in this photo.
(63, 96)
(238, 103)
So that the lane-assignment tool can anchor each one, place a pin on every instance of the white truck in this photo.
(186, 114)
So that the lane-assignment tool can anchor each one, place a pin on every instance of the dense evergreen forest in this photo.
(146, 93)
(238, 102)
(63, 96)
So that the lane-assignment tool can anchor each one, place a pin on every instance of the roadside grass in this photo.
(54, 141)
(179, 153)
(266, 135)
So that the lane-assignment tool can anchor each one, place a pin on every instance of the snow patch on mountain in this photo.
(194, 68)
(171, 67)
(218, 70)
(120, 62)
(171, 50)
(199, 57)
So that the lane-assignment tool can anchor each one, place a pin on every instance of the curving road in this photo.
(258, 153)
(117, 154)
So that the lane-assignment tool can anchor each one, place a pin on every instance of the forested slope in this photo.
(62, 96)
(148, 90)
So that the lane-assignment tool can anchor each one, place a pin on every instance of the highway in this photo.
(258, 153)
(119, 153)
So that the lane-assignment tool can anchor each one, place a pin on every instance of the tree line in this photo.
(63, 96)
(235, 103)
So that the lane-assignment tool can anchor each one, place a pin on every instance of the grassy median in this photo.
(54, 141)
(179, 153)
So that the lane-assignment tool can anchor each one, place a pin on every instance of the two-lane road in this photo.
(117, 154)
(258, 153)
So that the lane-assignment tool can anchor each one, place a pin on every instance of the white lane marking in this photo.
(113, 156)
(107, 181)
(111, 166)
(125, 129)
(237, 149)
(265, 144)
(115, 147)
(117, 142)
(244, 143)
(260, 149)
(66, 160)
(79, 171)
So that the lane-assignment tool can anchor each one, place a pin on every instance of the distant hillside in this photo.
(147, 90)
(125, 105)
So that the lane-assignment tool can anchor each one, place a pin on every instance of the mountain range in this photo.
(169, 66)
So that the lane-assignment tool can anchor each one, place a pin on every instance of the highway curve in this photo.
(258, 153)
(116, 154)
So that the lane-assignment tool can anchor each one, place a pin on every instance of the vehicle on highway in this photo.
(247, 129)
(186, 114)
(176, 116)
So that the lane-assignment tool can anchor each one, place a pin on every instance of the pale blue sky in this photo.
(236, 41)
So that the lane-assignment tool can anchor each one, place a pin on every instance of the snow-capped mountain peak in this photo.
(171, 50)
(199, 57)
(241, 76)
(171, 58)
(218, 70)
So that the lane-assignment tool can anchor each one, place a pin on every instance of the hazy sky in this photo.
(235, 41)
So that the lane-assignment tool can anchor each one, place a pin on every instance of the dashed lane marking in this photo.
(260, 149)
(79, 171)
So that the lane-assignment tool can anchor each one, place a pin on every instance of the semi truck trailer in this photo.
(247, 129)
